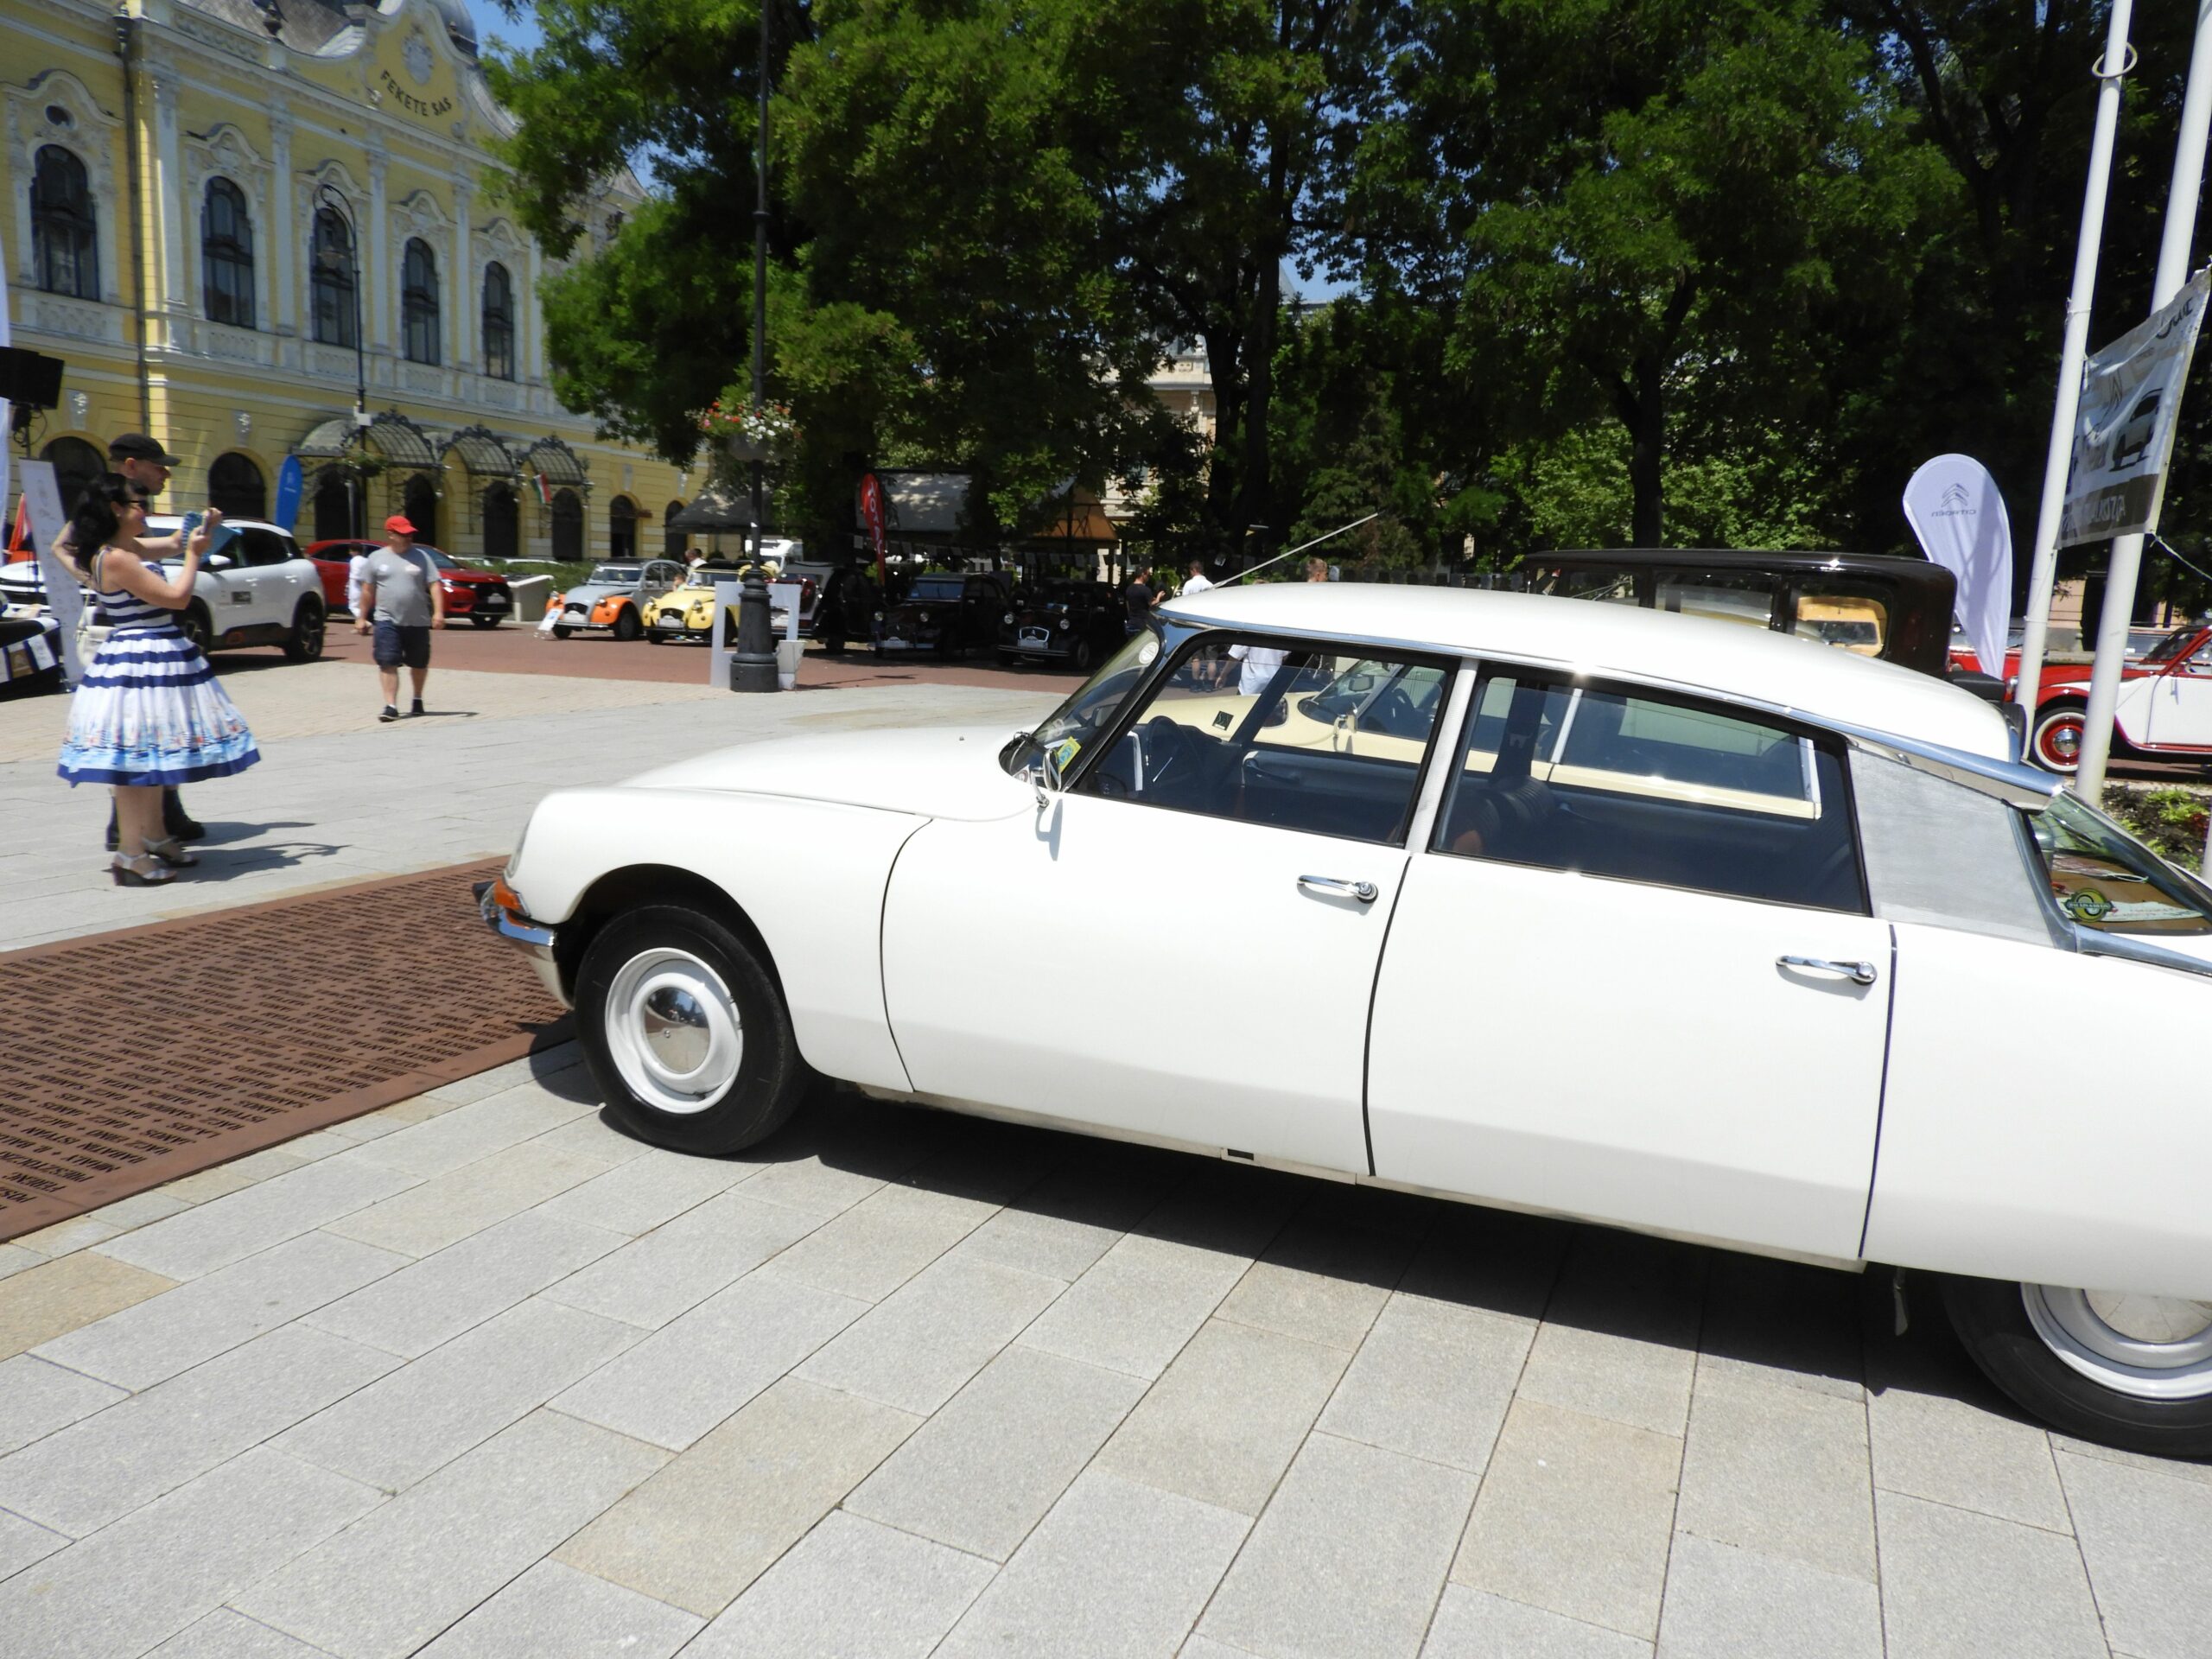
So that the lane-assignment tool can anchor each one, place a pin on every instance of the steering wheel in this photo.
(1394, 713)
(1168, 750)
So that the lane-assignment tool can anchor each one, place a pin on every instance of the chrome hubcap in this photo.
(673, 1031)
(2150, 1347)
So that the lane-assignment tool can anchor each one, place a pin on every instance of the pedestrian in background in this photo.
(150, 713)
(1317, 568)
(1139, 596)
(1196, 582)
(401, 596)
(145, 465)
(355, 566)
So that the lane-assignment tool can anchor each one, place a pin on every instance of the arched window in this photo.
(498, 322)
(235, 486)
(674, 543)
(333, 504)
(621, 528)
(77, 466)
(568, 525)
(502, 523)
(419, 501)
(227, 255)
(418, 302)
(331, 282)
(65, 244)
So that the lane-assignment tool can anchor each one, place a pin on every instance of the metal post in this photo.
(2109, 70)
(761, 283)
(2127, 550)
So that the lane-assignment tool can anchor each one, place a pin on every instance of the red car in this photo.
(482, 597)
(2164, 709)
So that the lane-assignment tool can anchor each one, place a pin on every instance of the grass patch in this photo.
(2170, 818)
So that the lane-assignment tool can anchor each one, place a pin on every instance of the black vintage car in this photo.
(947, 614)
(1063, 621)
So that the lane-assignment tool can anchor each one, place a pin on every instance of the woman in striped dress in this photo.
(150, 711)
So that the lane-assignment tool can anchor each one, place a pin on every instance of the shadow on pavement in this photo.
(1809, 1326)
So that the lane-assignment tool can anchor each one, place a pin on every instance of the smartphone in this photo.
(224, 536)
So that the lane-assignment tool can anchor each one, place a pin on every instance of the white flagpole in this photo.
(2127, 550)
(2109, 70)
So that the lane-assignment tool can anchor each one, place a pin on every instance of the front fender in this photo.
(808, 875)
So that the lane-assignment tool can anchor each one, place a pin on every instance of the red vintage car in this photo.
(2164, 709)
(482, 597)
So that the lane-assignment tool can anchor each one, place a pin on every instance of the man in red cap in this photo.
(400, 593)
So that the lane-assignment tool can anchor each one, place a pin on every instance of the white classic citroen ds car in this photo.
(1569, 908)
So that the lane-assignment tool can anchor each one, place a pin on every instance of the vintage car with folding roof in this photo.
(1658, 921)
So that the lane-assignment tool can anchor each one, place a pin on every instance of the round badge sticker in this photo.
(1148, 653)
(2088, 904)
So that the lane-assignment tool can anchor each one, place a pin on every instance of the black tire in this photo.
(304, 642)
(560, 633)
(193, 621)
(771, 1077)
(479, 620)
(627, 625)
(1991, 1317)
(1085, 657)
(2048, 738)
(655, 637)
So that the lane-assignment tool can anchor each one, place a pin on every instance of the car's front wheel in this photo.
(627, 625)
(2127, 1370)
(484, 619)
(2055, 744)
(560, 633)
(686, 1033)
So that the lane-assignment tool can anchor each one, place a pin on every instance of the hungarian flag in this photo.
(545, 492)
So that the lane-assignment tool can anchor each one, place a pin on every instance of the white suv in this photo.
(259, 590)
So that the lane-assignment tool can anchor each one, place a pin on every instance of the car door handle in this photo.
(1365, 892)
(1858, 973)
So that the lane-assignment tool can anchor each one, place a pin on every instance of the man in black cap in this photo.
(145, 465)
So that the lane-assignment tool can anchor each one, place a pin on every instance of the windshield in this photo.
(2171, 646)
(444, 561)
(1091, 710)
(935, 587)
(614, 572)
(2104, 877)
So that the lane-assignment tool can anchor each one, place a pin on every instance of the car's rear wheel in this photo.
(193, 622)
(1085, 657)
(2055, 744)
(686, 1033)
(627, 625)
(480, 620)
(304, 642)
(2127, 1370)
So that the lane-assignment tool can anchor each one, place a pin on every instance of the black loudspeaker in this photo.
(31, 378)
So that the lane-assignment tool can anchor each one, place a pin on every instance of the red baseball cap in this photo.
(398, 525)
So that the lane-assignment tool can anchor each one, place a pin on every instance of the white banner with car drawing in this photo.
(2124, 436)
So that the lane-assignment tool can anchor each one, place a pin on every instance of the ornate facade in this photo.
(220, 212)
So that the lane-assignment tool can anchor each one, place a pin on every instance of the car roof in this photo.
(172, 520)
(1819, 683)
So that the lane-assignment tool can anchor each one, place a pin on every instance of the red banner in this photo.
(871, 510)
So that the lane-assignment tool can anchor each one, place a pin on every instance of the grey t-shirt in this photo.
(403, 586)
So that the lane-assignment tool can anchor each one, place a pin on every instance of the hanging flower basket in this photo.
(750, 432)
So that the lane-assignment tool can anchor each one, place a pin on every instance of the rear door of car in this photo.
(1631, 974)
(267, 579)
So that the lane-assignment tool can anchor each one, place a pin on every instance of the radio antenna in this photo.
(1301, 548)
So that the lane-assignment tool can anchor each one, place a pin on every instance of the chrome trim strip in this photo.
(519, 930)
(2127, 948)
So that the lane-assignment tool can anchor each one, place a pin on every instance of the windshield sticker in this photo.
(1148, 653)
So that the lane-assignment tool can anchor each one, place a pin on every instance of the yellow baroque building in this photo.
(221, 212)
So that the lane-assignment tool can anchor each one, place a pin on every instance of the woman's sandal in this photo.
(173, 854)
(143, 871)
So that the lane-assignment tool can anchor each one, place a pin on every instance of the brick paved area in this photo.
(475, 1376)
(243, 1029)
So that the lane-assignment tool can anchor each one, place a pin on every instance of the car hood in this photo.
(591, 592)
(935, 771)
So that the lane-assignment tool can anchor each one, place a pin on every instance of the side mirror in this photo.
(217, 562)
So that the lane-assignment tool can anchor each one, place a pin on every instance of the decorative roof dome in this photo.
(461, 26)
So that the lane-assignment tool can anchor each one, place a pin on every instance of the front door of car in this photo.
(1171, 949)
(2180, 715)
(1631, 975)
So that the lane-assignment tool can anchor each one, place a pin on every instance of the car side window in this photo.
(259, 547)
(1646, 787)
(1266, 731)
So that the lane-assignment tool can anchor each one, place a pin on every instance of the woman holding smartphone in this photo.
(150, 711)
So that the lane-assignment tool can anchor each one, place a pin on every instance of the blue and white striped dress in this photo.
(151, 710)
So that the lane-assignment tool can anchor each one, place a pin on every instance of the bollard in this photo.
(753, 667)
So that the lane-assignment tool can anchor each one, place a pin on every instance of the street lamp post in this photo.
(329, 197)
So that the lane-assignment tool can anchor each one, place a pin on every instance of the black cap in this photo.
(137, 446)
